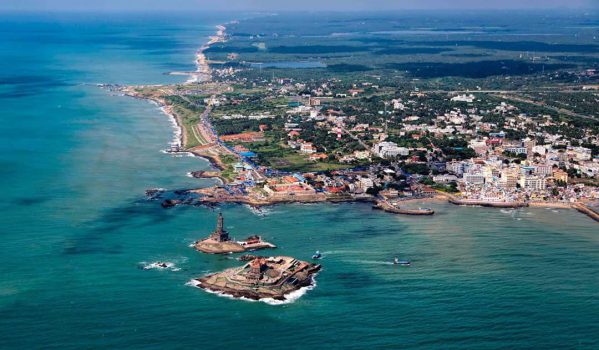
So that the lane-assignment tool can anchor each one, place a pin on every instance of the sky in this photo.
(283, 5)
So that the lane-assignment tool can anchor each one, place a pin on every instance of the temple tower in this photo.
(256, 267)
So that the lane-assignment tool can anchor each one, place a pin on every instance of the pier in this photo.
(384, 205)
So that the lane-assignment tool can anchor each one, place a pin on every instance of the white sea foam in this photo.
(193, 283)
(176, 142)
(259, 211)
(291, 297)
(159, 265)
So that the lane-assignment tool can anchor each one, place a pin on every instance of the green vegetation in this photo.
(189, 119)
(451, 187)
(229, 171)
(279, 157)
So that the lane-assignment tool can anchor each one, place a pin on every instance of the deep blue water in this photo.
(74, 226)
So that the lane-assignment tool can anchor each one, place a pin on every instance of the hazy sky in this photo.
(281, 5)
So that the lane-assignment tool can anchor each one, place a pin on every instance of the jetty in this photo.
(585, 209)
(388, 207)
(219, 242)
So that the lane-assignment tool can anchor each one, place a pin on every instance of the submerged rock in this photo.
(169, 203)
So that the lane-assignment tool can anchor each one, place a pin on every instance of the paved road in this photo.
(543, 104)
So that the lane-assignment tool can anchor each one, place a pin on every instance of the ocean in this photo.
(76, 227)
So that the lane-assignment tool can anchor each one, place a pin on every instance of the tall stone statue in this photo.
(220, 234)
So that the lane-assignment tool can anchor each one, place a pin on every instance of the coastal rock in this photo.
(219, 242)
(261, 278)
(202, 174)
(154, 193)
(197, 174)
(247, 257)
(169, 203)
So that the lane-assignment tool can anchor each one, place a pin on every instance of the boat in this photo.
(317, 255)
(396, 261)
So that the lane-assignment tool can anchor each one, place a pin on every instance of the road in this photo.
(544, 105)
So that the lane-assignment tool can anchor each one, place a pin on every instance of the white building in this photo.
(307, 147)
(516, 150)
(463, 98)
(509, 178)
(532, 183)
(445, 178)
(389, 150)
(474, 178)
(366, 183)
(544, 170)
(539, 149)
(580, 153)
(455, 167)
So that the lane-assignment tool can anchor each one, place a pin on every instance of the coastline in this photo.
(213, 149)
(202, 74)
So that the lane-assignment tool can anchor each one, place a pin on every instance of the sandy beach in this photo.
(202, 72)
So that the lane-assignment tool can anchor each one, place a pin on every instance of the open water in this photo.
(75, 227)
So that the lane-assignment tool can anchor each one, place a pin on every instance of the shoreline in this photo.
(201, 74)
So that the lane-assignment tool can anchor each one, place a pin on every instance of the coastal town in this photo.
(283, 140)
(349, 174)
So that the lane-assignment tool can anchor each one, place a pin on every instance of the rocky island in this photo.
(219, 242)
(261, 278)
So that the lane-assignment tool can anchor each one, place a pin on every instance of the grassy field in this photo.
(189, 119)
(282, 158)
(229, 172)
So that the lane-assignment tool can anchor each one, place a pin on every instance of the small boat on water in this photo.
(317, 255)
(396, 261)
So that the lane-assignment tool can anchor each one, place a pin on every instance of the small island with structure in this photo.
(262, 278)
(219, 242)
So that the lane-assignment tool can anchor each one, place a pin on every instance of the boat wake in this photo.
(372, 262)
(332, 252)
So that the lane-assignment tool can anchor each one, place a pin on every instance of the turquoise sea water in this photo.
(74, 226)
